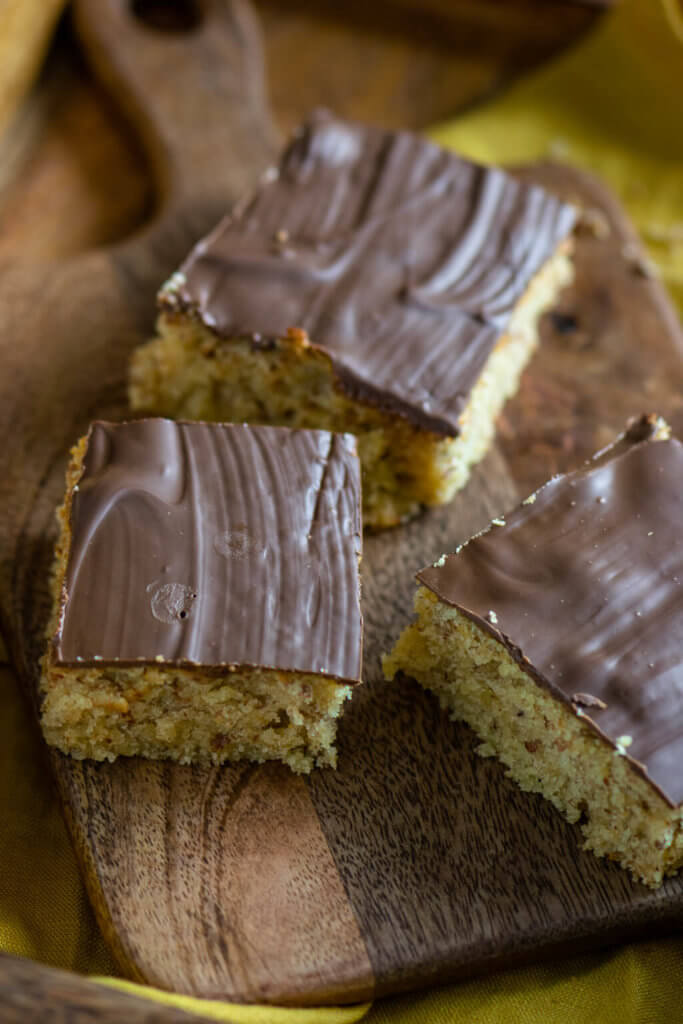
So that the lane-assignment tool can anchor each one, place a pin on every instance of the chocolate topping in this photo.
(400, 260)
(215, 545)
(586, 583)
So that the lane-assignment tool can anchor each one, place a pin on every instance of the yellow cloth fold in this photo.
(612, 105)
(639, 984)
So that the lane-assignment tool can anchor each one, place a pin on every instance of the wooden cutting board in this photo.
(416, 861)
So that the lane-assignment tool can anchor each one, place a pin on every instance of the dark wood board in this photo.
(416, 861)
(409, 63)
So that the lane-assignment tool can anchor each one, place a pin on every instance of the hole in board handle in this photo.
(168, 15)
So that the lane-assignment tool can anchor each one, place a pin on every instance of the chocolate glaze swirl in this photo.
(402, 261)
(215, 544)
(586, 587)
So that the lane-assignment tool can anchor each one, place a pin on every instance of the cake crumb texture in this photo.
(187, 716)
(189, 372)
(545, 747)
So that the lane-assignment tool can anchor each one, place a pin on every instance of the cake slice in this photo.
(557, 635)
(375, 284)
(206, 594)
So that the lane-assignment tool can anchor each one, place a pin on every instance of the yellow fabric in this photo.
(612, 105)
(245, 1014)
(640, 984)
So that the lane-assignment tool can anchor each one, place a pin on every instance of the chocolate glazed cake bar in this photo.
(207, 594)
(375, 284)
(557, 634)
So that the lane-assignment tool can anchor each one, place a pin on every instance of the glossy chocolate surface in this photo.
(216, 545)
(402, 261)
(585, 584)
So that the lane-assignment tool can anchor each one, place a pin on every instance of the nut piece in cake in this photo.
(206, 594)
(376, 284)
(558, 638)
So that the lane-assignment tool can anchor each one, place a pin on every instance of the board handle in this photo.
(190, 78)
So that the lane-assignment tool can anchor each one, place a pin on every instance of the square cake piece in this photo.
(557, 635)
(376, 284)
(206, 594)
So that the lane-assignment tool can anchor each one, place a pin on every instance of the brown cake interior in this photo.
(556, 635)
(189, 372)
(545, 747)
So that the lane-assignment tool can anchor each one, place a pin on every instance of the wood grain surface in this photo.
(407, 63)
(416, 861)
